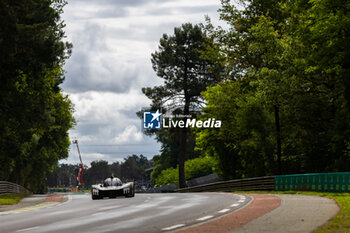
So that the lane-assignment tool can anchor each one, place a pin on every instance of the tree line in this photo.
(35, 115)
(132, 168)
(277, 76)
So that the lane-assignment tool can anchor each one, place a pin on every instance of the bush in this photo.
(168, 176)
(193, 168)
(12, 199)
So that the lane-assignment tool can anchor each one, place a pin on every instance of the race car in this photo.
(112, 187)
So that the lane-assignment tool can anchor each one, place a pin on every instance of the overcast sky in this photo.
(111, 62)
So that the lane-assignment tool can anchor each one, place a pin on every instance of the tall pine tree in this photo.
(179, 62)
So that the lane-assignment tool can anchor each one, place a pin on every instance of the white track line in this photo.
(205, 218)
(173, 227)
(234, 205)
(223, 210)
(109, 207)
(28, 229)
(98, 213)
(240, 201)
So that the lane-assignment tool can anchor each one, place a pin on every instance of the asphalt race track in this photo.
(143, 213)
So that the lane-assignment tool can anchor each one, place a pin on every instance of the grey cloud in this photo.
(120, 3)
(91, 37)
(104, 128)
(87, 72)
(121, 151)
(84, 75)
(152, 32)
(111, 12)
(94, 66)
(90, 67)
(164, 11)
(101, 142)
(90, 128)
(144, 32)
(117, 11)
(107, 74)
(112, 8)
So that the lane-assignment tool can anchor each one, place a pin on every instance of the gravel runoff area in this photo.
(34, 200)
(274, 214)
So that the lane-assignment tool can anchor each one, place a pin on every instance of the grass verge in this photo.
(338, 224)
(11, 199)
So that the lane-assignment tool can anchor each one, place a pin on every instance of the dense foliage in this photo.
(35, 115)
(170, 140)
(284, 95)
(285, 102)
(244, 145)
(194, 168)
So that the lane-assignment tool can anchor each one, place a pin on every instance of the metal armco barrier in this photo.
(8, 187)
(248, 184)
(319, 182)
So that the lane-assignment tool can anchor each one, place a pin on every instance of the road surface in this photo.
(143, 213)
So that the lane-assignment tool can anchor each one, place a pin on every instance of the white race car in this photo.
(112, 187)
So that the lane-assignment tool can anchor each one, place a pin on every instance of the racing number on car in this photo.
(126, 191)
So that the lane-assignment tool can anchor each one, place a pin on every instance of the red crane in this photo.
(81, 169)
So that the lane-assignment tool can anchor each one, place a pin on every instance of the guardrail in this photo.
(319, 182)
(249, 184)
(8, 187)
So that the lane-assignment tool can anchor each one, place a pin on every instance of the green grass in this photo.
(11, 199)
(338, 224)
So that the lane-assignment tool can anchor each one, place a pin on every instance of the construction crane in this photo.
(81, 169)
